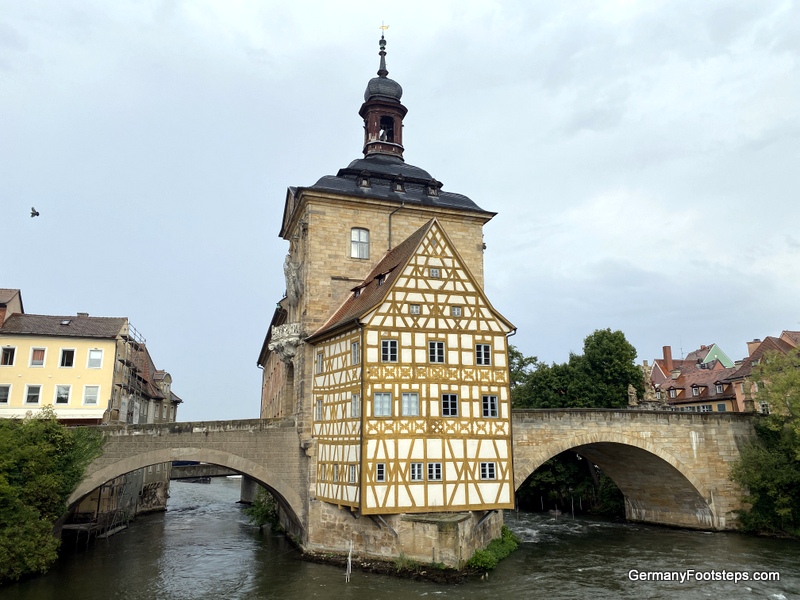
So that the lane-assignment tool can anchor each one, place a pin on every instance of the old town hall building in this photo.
(389, 355)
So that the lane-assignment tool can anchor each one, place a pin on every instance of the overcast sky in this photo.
(643, 159)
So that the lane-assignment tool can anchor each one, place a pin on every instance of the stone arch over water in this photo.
(289, 500)
(658, 487)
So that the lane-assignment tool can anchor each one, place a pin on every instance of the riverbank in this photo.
(401, 568)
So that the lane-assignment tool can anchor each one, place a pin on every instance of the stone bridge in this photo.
(672, 467)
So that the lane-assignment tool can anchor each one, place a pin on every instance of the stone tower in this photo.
(340, 230)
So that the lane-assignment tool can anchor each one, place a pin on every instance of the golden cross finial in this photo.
(383, 28)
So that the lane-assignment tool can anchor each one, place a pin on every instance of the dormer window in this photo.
(399, 184)
(718, 388)
(695, 390)
(363, 179)
(381, 279)
(672, 393)
(432, 188)
(356, 292)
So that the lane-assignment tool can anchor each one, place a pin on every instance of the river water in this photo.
(204, 548)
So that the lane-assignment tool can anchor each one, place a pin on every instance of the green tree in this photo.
(598, 378)
(769, 468)
(41, 462)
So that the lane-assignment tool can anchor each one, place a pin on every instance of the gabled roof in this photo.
(64, 326)
(370, 293)
(770, 344)
(791, 337)
(377, 285)
(7, 295)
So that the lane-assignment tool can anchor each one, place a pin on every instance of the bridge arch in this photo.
(284, 493)
(658, 486)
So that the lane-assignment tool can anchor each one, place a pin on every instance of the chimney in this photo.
(668, 357)
(751, 346)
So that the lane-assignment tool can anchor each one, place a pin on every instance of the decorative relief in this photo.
(284, 340)
(294, 284)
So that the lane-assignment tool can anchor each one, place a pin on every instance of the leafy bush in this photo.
(41, 462)
(263, 510)
(497, 550)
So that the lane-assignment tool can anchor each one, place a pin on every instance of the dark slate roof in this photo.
(371, 294)
(91, 327)
(383, 170)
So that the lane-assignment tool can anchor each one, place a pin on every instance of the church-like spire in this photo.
(382, 112)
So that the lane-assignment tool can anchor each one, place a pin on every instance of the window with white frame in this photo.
(335, 473)
(32, 394)
(436, 352)
(7, 356)
(455, 311)
(355, 353)
(695, 391)
(355, 406)
(719, 388)
(37, 357)
(483, 354)
(434, 471)
(352, 470)
(705, 408)
(380, 472)
(435, 273)
(413, 309)
(318, 410)
(658, 394)
(95, 359)
(359, 243)
(67, 359)
(672, 393)
(416, 471)
(449, 405)
(388, 350)
(91, 394)
(319, 363)
(382, 405)
(410, 404)
(489, 406)
(487, 470)
(5, 393)
(62, 394)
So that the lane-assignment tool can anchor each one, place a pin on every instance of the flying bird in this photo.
(34, 212)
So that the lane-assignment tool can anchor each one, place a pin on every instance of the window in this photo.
(7, 357)
(763, 408)
(435, 471)
(413, 309)
(352, 474)
(672, 393)
(67, 358)
(718, 388)
(90, 394)
(483, 354)
(436, 352)
(416, 471)
(695, 391)
(435, 273)
(318, 411)
(382, 405)
(410, 406)
(359, 243)
(449, 405)
(62, 394)
(355, 406)
(335, 473)
(32, 393)
(319, 363)
(721, 407)
(355, 353)
(380, 472)
(487, 470)
(95, 359)
(5, 393)
(658, 394)
(381, 279)
(37, 357)
(705, 408)
(388, 350)
(455, 311)
(490, 406)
